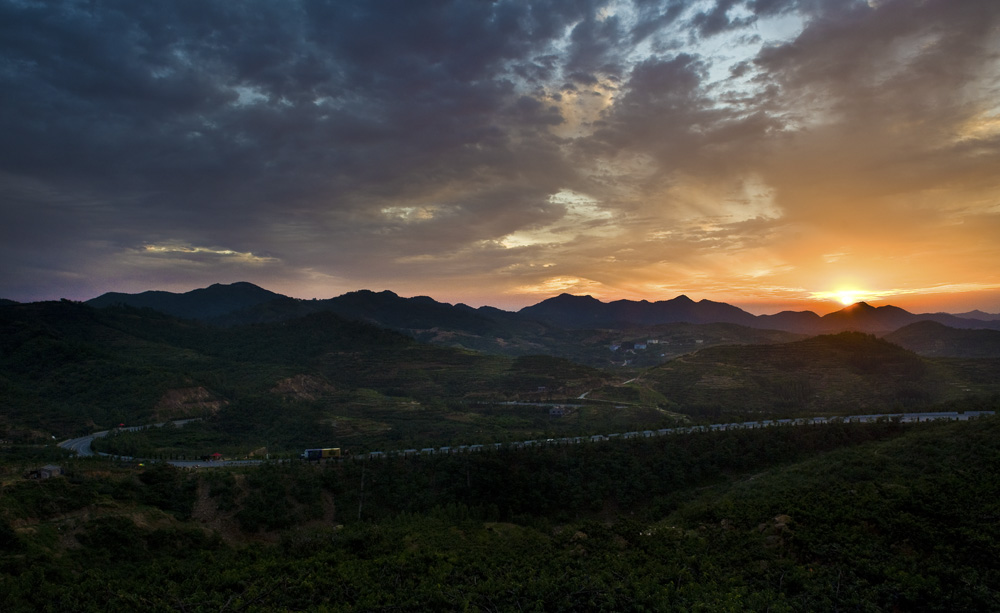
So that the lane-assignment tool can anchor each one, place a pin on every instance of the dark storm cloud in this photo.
(654, 16)
(901, 84)
(343, 140)
(717, 19)
(222, 112)
(668, 89)
(595, 45)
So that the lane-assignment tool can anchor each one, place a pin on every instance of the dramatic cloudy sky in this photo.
(769, 153)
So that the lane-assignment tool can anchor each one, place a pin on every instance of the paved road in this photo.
(215, 463)
(82, 445)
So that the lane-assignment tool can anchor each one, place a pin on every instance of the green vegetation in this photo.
(68, 369)
(277, 388)
(930, 338)
(835, 374)
(875, 517)
(865, 517)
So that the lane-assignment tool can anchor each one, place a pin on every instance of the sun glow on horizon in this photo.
(848, 297)
(845, 296)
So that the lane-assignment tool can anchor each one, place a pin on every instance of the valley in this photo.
(779, 470)
(500, 306)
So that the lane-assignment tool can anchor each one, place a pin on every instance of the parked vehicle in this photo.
(321, 454)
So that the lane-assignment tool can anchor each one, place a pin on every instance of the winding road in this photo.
(82, 445)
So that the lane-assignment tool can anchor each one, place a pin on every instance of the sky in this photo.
(773, 154)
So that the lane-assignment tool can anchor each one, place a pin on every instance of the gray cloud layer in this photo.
(316, 147)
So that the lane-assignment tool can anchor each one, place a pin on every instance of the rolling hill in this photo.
(68, 368)
(849, 372)
(206, 303)
(933, 339)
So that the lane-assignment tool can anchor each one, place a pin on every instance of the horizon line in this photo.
(736, 304)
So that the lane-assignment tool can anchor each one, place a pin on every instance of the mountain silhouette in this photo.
(243, 303)
(205, 303)
(863, 317)
(587, 312)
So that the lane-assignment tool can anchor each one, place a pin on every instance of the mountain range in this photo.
(67, 366)
(587, 312)
(241, 303)
(580, 328)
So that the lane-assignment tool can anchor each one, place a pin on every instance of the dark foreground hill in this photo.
(840, 517)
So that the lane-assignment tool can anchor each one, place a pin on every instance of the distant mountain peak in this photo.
(587, 311)
(979, 315)
(236, 284)
(371, 292)
(205, 303)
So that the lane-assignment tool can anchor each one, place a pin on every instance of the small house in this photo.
(45, 472)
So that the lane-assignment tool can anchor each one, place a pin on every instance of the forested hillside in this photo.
(67, 368)
(321, 380)
(830, 374)
(933, 339)
(882, 516)
(875, 517)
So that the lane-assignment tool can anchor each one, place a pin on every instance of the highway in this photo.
(82, 446)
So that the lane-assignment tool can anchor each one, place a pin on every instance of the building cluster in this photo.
(633, 346)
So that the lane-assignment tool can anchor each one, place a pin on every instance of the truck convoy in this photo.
(321, 454)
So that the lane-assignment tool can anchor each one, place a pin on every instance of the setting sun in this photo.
(845, 296)
(848, 297)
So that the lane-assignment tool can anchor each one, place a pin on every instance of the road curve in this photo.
(82, 445)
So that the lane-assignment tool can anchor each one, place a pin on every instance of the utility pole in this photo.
(361, 496)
